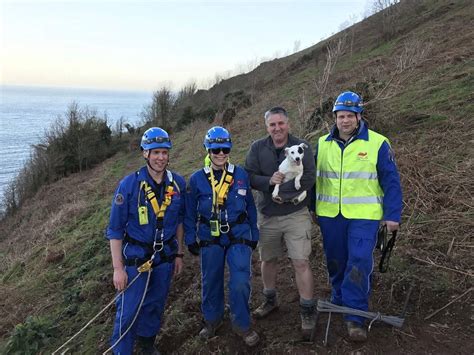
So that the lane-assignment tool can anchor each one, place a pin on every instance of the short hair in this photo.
(275, 110)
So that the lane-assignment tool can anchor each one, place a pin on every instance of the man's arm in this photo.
(389, 180)
(120, 277)
(115, 232)
(258, 181)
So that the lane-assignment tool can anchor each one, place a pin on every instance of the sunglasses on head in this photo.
(218, 150)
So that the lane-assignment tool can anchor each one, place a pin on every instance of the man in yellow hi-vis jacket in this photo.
(357, 186)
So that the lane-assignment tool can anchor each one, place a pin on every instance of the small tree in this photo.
(388, 16)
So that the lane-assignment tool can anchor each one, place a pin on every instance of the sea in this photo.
(27, 113)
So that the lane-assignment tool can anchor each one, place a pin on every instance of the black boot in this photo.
(146, 346)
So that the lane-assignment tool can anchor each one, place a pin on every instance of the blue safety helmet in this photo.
(348, 101)
(217, 137)
(155, 137)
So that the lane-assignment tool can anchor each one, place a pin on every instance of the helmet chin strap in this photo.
(149, 165)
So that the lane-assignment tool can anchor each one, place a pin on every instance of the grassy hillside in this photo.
(418, 81)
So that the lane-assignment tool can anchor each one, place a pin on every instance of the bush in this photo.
(30, 337)
(74, 143)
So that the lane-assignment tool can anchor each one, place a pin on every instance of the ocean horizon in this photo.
(28, 112)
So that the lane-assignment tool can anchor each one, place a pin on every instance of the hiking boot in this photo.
(250, 337)
(209, 330)
(269, 305)
(146, 346)
(308, 320)
(356, 331)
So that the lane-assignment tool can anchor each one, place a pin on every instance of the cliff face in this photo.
(414, 68)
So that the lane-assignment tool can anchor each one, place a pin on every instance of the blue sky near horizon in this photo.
(141, 45)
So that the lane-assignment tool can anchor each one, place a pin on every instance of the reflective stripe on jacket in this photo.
(347, 180)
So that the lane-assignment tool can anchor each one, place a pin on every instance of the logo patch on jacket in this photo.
(362, 156)
(119, 199)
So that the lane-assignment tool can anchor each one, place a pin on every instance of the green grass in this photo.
(442, 91)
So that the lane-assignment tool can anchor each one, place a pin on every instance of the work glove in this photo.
(253, 244)
(194, 248)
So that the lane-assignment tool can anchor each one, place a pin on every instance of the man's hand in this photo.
(314, 218)
(392, 226)
(120, 278)
(194, 248)
(178, 266)
(277, 178)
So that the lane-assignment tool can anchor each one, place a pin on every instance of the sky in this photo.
(143, 45)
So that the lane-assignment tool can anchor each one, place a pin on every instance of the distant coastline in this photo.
(27, 112)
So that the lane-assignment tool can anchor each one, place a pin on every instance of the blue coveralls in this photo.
(349, 243)
(124, 221)
(239, 204)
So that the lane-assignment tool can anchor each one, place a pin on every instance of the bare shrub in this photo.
(413, 52)
(387, 18)
(333, 51)
(311, 120)
(75, 142)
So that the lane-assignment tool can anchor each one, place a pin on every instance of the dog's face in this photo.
(295, 153)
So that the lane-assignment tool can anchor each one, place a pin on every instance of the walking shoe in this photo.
(146, 346)
(250, 337)
(209, 330)
(269, 305)
(356, 331)
(308, 320)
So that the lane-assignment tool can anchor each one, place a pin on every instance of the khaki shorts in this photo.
(293, 229)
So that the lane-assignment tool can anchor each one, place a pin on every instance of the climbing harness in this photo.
(385, 247)
(220, 190)
(242, 218)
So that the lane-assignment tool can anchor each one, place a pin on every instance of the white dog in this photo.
(292, 167)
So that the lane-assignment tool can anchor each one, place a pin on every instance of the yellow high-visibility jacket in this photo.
(347, 180)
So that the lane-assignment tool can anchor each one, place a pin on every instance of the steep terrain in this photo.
(417, 79)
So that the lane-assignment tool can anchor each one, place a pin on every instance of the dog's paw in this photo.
(297, 185)
(299, 198)
(295, 201)
(277, 199)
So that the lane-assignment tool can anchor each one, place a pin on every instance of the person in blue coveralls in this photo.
(357, 186)
(146, 230)
(221, 226)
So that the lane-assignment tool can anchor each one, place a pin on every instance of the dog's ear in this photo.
(286, 151)
(303, 145)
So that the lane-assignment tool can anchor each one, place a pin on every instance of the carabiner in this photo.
(160, 244)
(224, 228)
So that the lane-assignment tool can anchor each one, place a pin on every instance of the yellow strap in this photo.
(159, 210)
(221, 189)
